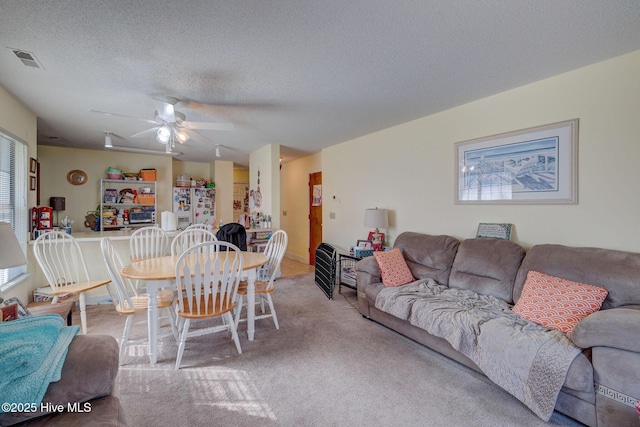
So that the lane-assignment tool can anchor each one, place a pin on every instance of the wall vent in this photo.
(27, 58)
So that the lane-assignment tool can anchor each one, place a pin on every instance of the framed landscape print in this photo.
(535, 165)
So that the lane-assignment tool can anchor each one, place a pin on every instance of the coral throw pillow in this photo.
(557, 303)
(393, 268)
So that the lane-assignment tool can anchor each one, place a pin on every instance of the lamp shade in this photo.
(57, 203)
(11, 254)
(376, 218)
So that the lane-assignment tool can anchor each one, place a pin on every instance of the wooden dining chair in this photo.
(148, 242)
(61, 260)
(127, 300)
(266, 277)
(190, 237)
(207, 279)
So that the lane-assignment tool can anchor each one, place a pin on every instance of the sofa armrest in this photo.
(367, 273)
(615, 328)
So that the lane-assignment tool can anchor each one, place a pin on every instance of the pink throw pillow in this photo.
(557, 303)
(393, 268)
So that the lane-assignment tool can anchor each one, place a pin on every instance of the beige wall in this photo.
(414, 165)
(241, 175)
(266, 160)
(195, 170)
(19, 122)
(224, 190)
(294, 203)
(56, 162)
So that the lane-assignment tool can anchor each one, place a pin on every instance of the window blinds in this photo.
(13, 200)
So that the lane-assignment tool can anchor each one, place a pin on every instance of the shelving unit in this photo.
(114, 199)
(257, 239)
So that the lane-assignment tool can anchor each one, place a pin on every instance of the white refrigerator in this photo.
(194, 206)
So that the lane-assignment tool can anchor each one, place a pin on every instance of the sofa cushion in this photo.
(393, 268)
(616, 271)
(487, 267)
(557, 303)
(89, 371)
(428, 256)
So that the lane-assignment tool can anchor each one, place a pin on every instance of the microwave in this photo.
(142, 217)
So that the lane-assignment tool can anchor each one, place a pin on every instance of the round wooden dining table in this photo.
(160, 273)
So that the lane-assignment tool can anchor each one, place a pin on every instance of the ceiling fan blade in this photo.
(144, 132)
(165, 110)
(208, 125)
(122, 115)
(198, 137)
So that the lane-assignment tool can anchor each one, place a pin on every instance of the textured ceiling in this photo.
(306, 74)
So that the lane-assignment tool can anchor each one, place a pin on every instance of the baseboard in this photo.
(296, 258)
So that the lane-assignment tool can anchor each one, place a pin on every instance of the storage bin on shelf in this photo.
(148, 174)
(146, 198)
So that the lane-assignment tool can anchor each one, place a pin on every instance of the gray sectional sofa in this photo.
(603, 381)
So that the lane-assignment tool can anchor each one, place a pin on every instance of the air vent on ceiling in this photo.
(27, 58)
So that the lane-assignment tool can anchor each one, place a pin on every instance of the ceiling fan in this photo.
(171, 125)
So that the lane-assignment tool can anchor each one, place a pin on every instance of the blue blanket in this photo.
(32, 352)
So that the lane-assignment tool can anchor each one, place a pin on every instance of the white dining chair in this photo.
(207, 279)
(190, 237)
(127, 300)
(61, 260)
(148, 242)
(266, 277)
(200, 227)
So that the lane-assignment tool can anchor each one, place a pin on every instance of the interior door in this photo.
(315, 214)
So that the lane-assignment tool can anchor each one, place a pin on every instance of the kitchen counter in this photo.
(96, 236)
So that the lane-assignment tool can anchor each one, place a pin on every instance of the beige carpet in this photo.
(325, 366)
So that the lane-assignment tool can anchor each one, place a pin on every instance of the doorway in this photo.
(315, 214)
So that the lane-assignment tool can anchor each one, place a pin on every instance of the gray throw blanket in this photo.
(525, 359)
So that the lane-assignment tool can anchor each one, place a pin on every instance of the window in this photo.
(13, 201)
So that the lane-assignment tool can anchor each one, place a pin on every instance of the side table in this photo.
(63, 308)
(346, 274)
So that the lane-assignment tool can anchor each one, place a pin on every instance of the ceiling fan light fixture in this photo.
(182, 136)
(163, 135)
(167, 149)
(218, 151)
(107, 140)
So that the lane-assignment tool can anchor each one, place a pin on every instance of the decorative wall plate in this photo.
(77, 177)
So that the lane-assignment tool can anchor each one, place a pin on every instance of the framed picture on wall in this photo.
(33, 165)
(534, 165)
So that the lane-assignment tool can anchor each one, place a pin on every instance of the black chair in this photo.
(233, 233)
(325, 274)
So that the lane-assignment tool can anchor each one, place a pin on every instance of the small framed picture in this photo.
(365, 244)
(32, 183)
(33, 165)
